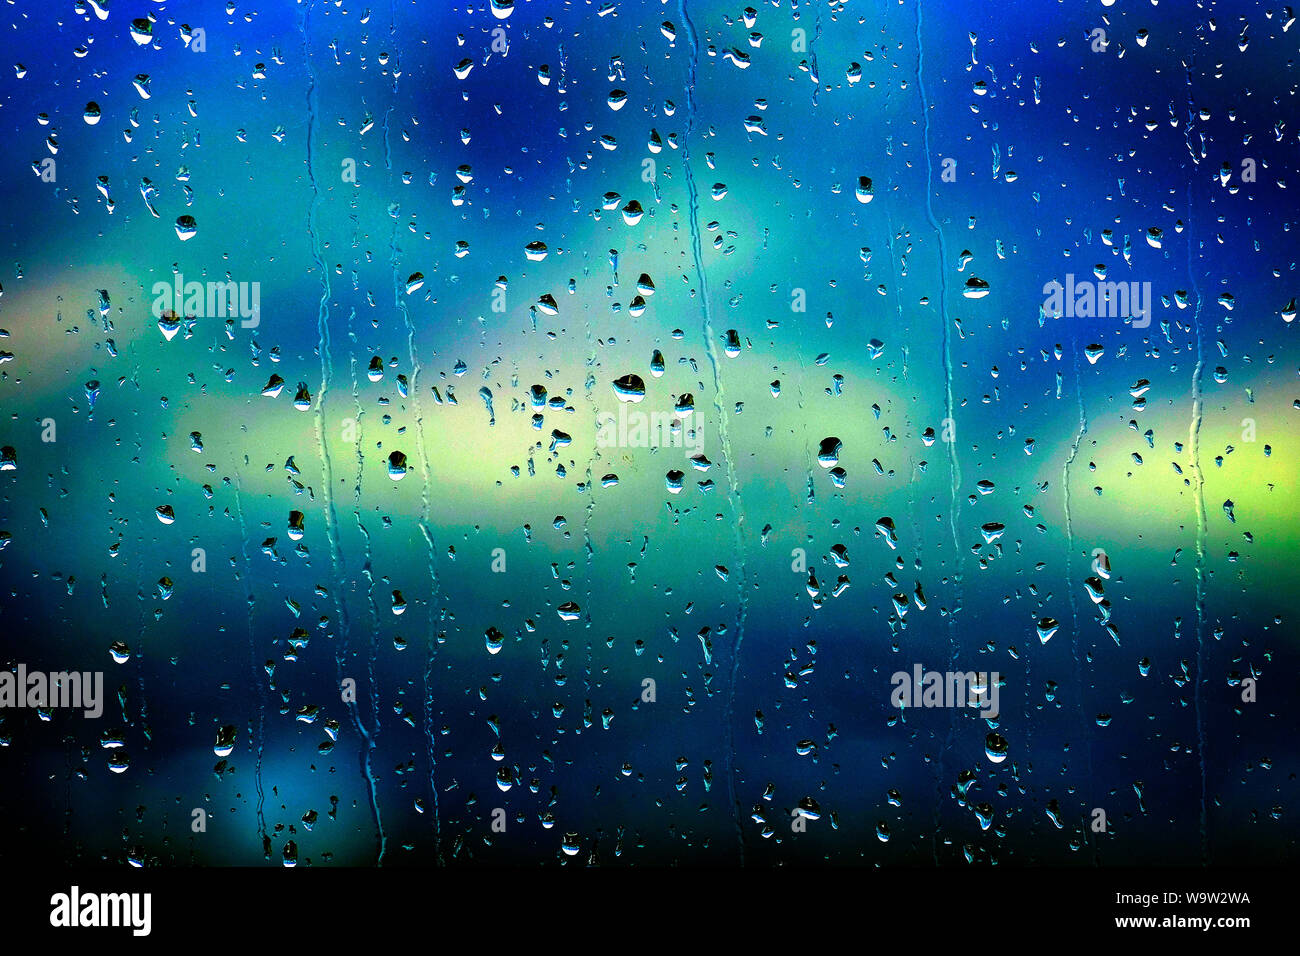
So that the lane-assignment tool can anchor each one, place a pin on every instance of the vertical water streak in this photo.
(1194, 441)
(812, 52)
(260, 740)
(589, 384)
(426, 479)
(327, 471)
(1194, 433)
(1085, 738)
(368, 570)
(954, 467)
(426, 482)
(733, 490)
(139, 566)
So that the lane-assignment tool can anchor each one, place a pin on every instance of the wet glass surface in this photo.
(640, 433)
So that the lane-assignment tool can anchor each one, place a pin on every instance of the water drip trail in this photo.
(139, 575)
(1194, 441)
(812, 52)
(368, 570)
(426, 478)
(948, 423)
(260, 740)
(588, 512)
(426, 531)
(1069, 563)
(327, 471)
(733, 495)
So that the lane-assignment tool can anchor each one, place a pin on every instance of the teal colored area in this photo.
(571, 421)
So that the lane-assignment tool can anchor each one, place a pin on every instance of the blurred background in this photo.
(410, 606)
